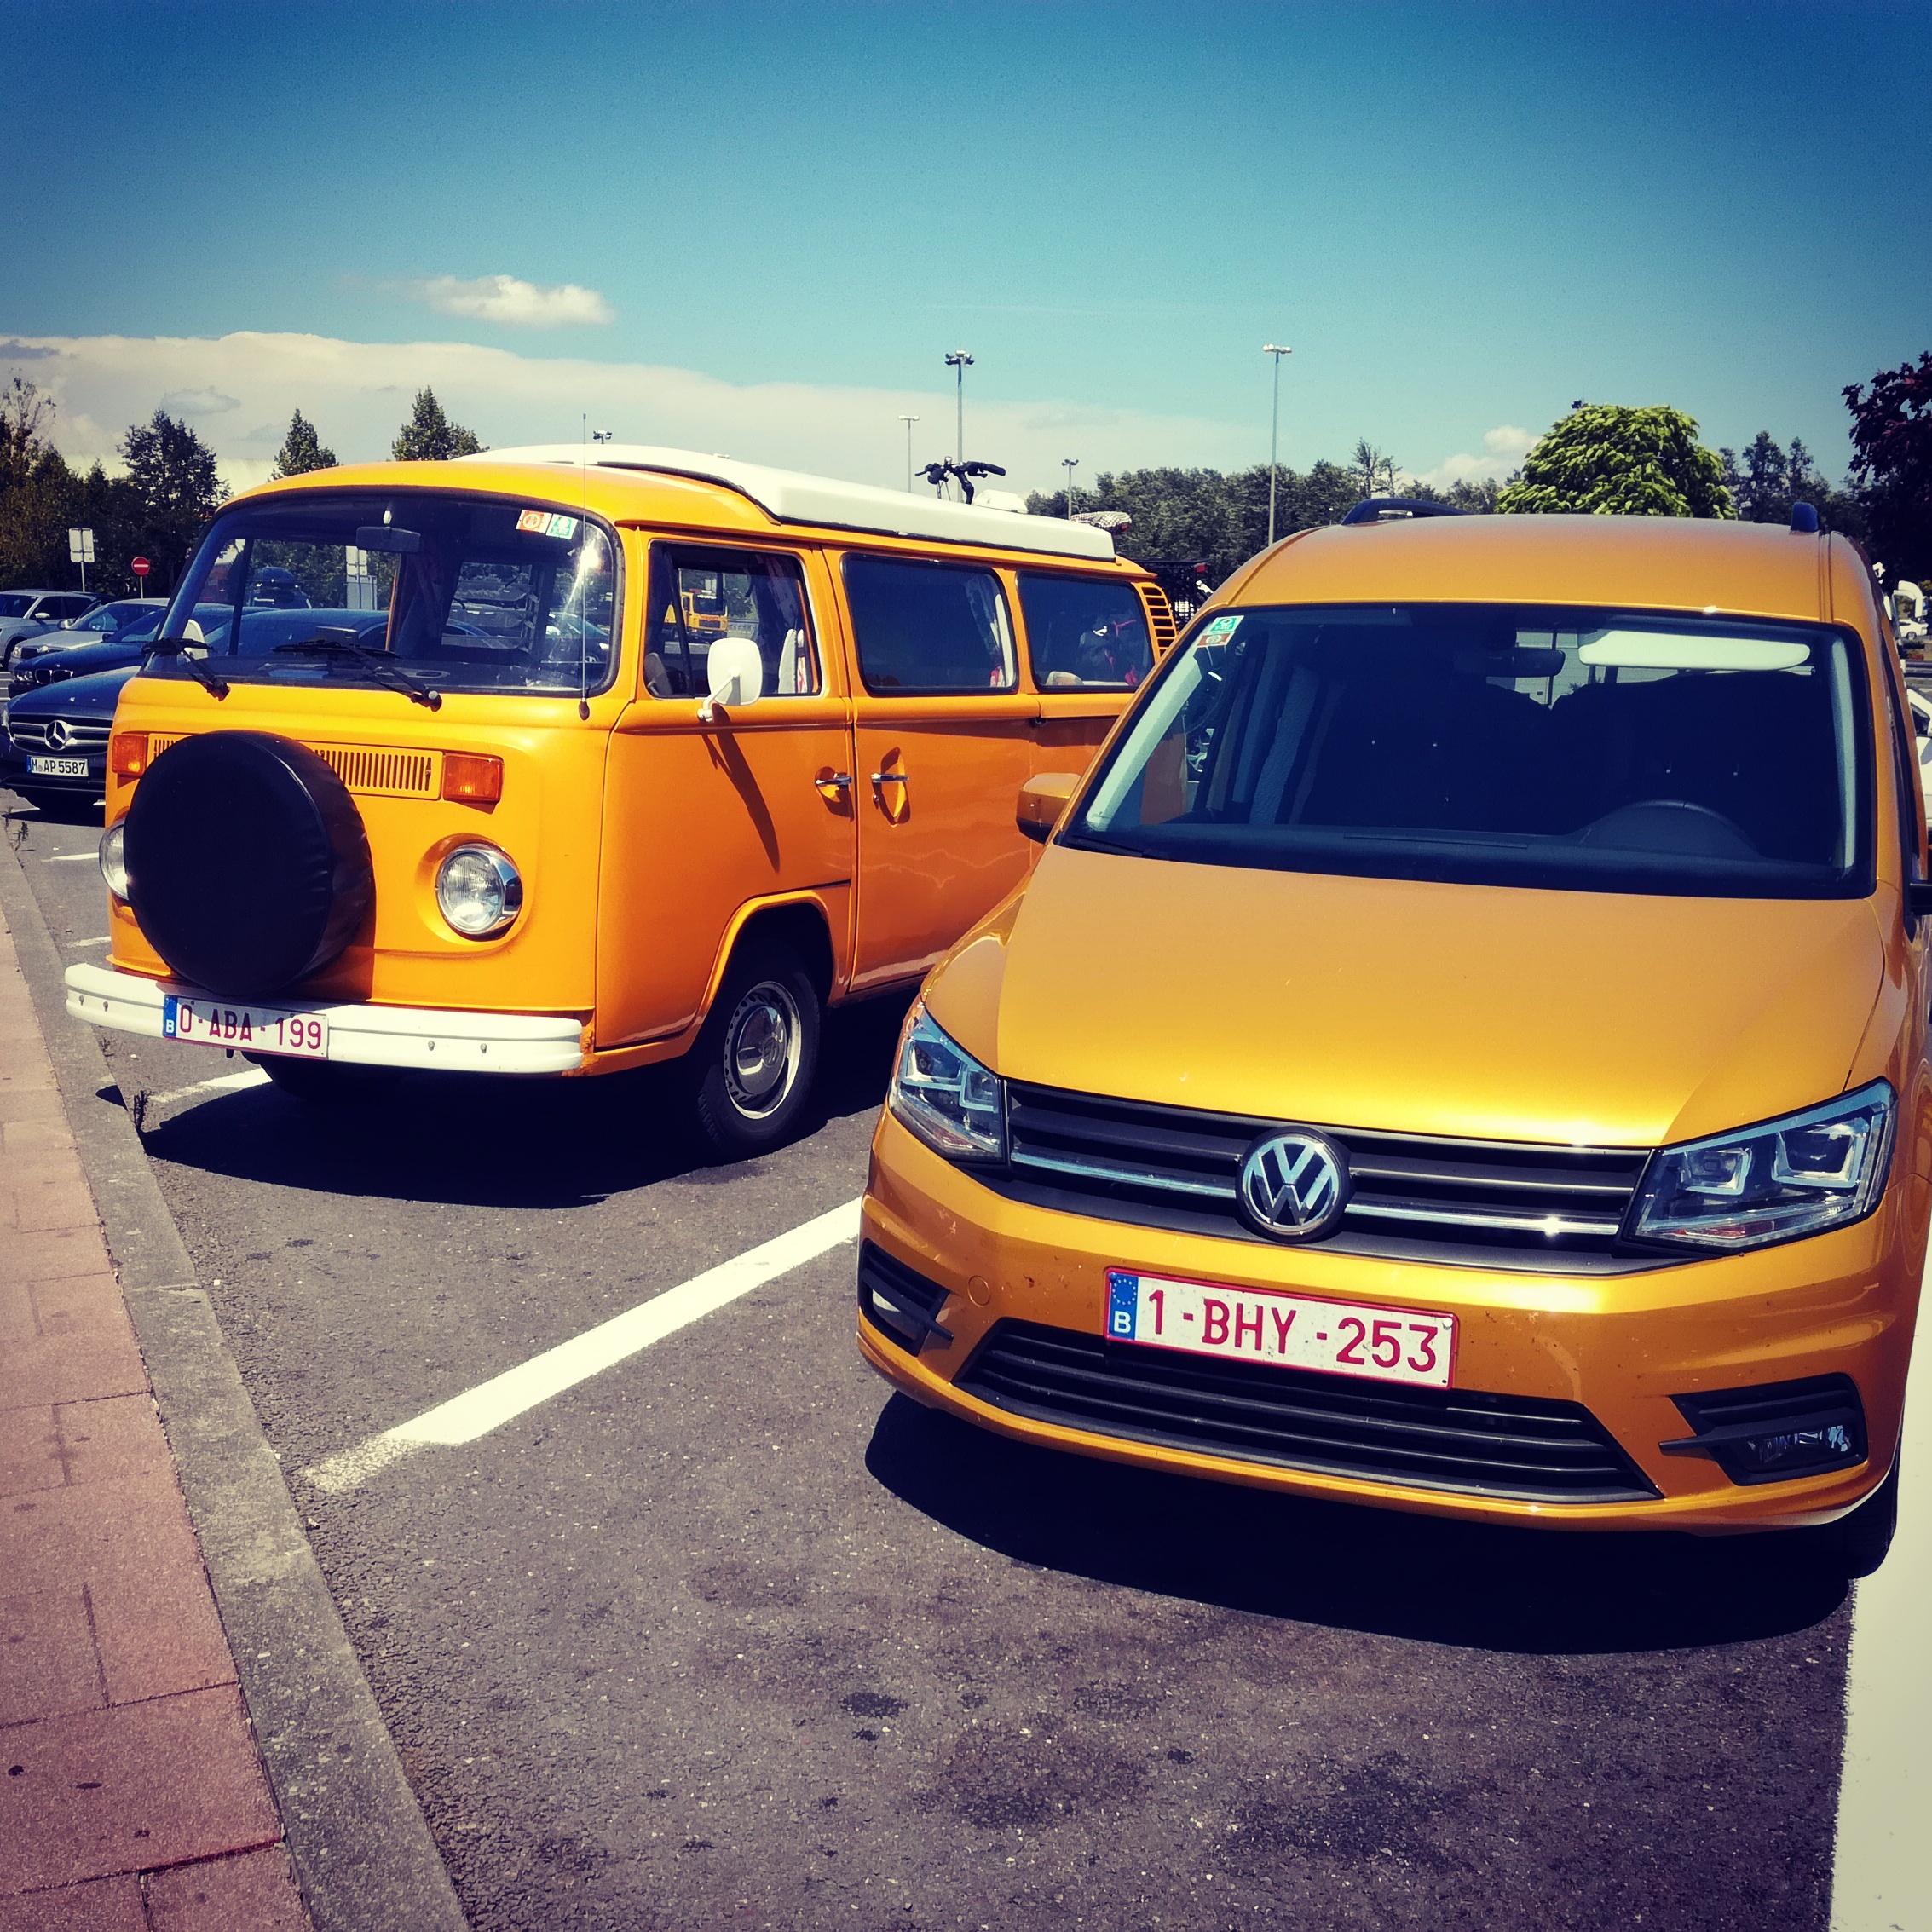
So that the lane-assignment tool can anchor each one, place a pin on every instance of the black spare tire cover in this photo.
(247, 865)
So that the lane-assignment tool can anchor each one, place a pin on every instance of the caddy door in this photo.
(944, 740)
(703, 816)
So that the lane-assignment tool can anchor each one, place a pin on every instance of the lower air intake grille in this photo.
(899, 1301)
(1522, 1448)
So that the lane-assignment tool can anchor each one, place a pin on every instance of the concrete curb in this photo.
(361, 1849)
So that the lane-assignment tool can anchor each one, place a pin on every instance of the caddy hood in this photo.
(1488, 1011)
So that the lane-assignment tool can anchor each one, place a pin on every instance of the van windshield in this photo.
(471, 593)
(1585, 750)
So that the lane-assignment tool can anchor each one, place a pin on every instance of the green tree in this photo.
(302, 451)
(38, 492)
(1609, 459)
(175, 490)
(1892, 463)
(1766, 480)
(429, 436)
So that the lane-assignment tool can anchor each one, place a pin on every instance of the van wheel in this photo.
(328, 1083)
(758, 1055)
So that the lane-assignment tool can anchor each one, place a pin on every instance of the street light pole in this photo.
(909, 421)
(1277, 351)
(1069, 463)
(960, 362)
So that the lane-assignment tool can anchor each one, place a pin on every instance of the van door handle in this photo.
(888, 778)
(834, 781)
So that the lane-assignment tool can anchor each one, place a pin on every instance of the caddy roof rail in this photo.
(1390, 509)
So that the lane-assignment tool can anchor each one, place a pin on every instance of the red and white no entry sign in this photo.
(140, 566)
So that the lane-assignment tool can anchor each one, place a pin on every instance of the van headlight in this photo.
(1786, 1177)
(478, 890)
(944, 1096)
(113, 859)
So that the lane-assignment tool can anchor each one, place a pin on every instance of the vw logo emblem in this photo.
(58, 736)
(1294, 1184)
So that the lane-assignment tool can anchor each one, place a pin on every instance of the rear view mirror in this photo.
(1042, 799)
(734, 670)
(388, 536)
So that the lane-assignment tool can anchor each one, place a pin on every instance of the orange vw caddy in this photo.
(556, 761)
(1462, 1048)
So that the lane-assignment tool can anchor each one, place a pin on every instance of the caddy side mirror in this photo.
(1042, 799)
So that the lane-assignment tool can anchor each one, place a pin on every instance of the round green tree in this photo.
(1608, 459)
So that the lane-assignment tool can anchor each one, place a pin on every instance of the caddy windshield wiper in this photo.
(182, 651)
(328, 642)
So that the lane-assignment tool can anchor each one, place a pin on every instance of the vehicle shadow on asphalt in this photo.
(1380, 1572)
(472, 1140)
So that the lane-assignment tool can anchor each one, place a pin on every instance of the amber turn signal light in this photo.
(127, 757)
(471, 778)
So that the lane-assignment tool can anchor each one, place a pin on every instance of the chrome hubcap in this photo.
(761, 1049)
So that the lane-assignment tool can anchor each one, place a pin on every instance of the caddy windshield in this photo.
(1586, 750)
(466, 593)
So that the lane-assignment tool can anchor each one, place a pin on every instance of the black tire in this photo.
(1860, 1541)
(757, 1058)
(325, 1083)
(294, 882)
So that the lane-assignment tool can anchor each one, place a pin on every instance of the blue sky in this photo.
(1461, 216)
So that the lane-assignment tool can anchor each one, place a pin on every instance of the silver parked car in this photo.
(23, 613)
(125, 617)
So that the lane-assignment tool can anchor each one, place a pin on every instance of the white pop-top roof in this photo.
(794, 498)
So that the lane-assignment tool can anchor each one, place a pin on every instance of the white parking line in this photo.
(504, 1398)
(106, 939)
(1879, 1880)
(65, 858)
(226, 1082)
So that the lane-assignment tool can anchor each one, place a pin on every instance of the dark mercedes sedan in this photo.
(56, 752)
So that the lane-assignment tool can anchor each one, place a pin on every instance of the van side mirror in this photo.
(1042, 799)
(734, 670)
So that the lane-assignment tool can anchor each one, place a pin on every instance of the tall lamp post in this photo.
(1069, 463)
(1277, 351)
(909, 421)
(960, 360)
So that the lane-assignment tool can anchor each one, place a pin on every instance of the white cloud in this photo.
(199, 403)
(515, 304)
(1504, 448)
(357, 395)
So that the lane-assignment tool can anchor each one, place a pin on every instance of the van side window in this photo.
(1084, 632)
(1905, 745)
(929, 628)
(699, 595)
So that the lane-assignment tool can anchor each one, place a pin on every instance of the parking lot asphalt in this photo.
(727, 1634)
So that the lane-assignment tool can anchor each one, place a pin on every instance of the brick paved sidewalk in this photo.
(132, 1798)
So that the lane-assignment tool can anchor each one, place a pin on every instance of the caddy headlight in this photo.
(113, 859)
(1797, 1176)
(478, 890)
(939, 1091)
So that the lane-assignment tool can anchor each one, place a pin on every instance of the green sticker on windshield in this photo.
(563, 525)
(1221, 630)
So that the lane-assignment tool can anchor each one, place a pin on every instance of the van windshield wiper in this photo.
(331, 641)
(182, 649)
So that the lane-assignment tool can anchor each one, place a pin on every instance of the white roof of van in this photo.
(792, 497)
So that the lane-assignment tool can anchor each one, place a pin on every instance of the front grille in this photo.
(1523, 1448)
(370, 771)
(30, 734)
(1479, 1203)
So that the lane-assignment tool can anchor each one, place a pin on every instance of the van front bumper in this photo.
(359, 1035)
(1621, 1347)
